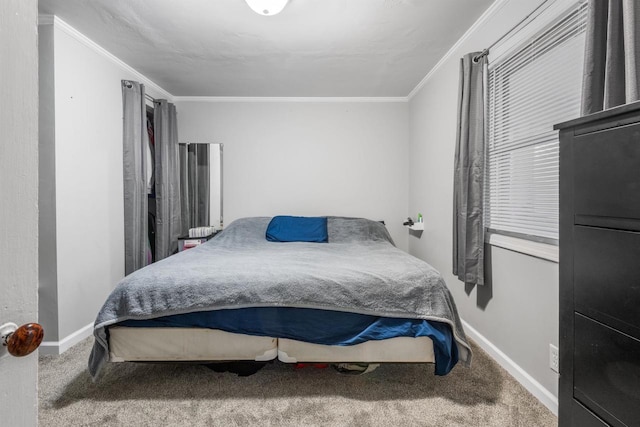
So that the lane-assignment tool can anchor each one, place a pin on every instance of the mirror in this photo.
(201, 179)
(216, 186)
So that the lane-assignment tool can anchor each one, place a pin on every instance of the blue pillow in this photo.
(297, 229)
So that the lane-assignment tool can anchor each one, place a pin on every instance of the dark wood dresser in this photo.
(600, 269)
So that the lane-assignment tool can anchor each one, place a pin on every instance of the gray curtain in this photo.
(612, 55)
(134, 143)
(167, 177)
(199, 184)
(195, 185)
(184, 189)
(468, 226)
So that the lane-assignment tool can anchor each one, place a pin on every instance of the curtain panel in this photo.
(167, 179)
(199, 182)
(195, 182)
(185, 202)
(612, 55)
(134, 144)
(468, 225)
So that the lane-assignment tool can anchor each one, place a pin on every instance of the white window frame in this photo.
(534, 25)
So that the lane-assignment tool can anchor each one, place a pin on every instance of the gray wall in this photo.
(81, 211)
(308, 158)
(18, 208)
(518, 311)
(48, 268)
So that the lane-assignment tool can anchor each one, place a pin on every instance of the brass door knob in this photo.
(23, 340)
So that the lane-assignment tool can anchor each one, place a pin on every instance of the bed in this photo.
(352, 297)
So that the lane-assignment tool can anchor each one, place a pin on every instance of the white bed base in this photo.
(198, 344)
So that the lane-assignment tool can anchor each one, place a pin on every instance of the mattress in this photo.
(181, 344)
(400, 349)
(200, 344)
(316, 330)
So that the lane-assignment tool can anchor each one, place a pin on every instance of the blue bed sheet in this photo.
(316, 326)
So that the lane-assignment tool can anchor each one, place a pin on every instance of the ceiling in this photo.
(331, 48)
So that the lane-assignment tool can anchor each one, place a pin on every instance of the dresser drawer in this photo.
(582, 417)
(607, 276)
(607, 173)
(607, 372)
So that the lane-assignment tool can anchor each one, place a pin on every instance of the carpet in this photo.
(136, 394)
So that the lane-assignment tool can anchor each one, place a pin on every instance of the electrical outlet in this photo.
(554, 358)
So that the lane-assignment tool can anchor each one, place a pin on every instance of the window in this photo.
(532, 88)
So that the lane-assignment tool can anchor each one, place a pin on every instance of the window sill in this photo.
(527, 247)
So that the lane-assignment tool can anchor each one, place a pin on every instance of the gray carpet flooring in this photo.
(131, 394)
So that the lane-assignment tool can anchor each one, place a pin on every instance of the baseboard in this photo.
(547, 398)
(59, 347)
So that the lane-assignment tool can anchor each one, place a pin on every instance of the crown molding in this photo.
(319, 99)
(77, 35)
(489, 13)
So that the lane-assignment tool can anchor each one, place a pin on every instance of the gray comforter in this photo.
(359, 270)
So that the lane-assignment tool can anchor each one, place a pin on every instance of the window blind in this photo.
(530, 90)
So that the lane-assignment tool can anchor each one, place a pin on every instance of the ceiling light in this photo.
(267, 7)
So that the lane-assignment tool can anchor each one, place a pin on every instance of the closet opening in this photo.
(151, 185)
